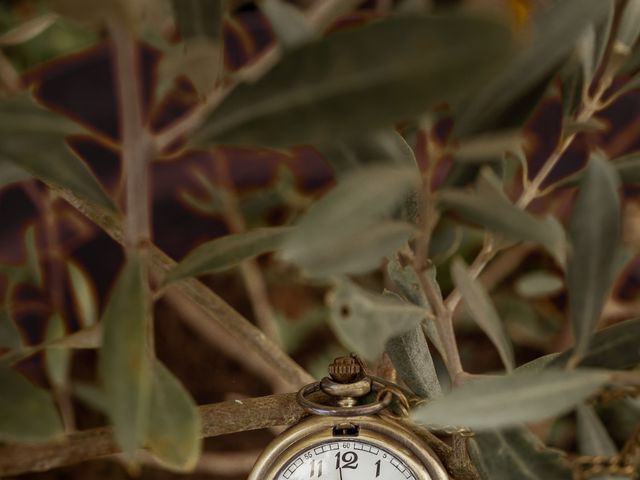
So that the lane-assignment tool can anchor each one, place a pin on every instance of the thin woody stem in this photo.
(532, 190)
(217, 419)
(238, 328)
(134, 136)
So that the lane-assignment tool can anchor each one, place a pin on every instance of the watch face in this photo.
(345, 460)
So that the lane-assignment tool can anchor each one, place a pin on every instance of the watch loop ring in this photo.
(382, 401)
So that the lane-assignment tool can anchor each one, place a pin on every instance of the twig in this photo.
(211, 332)
(251, 275)
(238, 328)
(135, 138)
(217, 419)
(444, 324)
(532, 190)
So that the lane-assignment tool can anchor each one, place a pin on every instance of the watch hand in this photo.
(340, 470)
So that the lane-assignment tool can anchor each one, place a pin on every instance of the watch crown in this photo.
(345, 369)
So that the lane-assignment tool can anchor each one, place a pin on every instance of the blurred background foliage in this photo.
(530, 81)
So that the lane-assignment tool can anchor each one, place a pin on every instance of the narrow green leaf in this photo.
(411, 357)
(200, 60)
(228, 251)
(91, 395)
(407, 282)
(593, 438)
(631, 86)
(479, 306)
(28, 30)
(629, 27)
(358, 253)
(199, 18)
(345, 231)
(11, 173)
(612, 348)
(595, 232)
(556, 30)
(492, 145)
(603, 34)
(174, 422)
(289, 24)
(32, 270)
(9, 334)
(364, 321)
(621, 418)
(27, 413)
(512, 399)
(32, 139)
(125, 363)
(538, 284)
(538, 364)
(84, 295)
(490, 208)
(384, 147)
(87, 338)
(359, 80)
(627, 167)
(57, 359)
(516, 453)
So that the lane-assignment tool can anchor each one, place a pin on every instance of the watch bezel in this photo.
(379, 431)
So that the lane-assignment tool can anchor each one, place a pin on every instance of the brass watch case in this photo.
(380, 431)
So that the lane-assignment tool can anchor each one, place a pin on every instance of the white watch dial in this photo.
(346, 459)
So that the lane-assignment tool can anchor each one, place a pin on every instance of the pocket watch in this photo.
(350, 435)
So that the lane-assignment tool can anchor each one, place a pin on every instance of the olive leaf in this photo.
(505, 401)
(289, 24)
(9, 334)
(411, 357)
(489, 207)
(626, 166)
(629, 28)
(228, 251)
(595, 232)
(621, 418)
(125, 364)
(345, 231)
(364, 321)
(200, 55)
(516, 453)
(538, 364)
(32, 138)
(381, 147)
(612, 348)
(83, 294)
(173, 434)
(359, 80)
(27, 412)
(556, 30)
(538, 284)
(408, 284)
(57, 359)
(593, 438)
(482, 310)
(11, 173)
